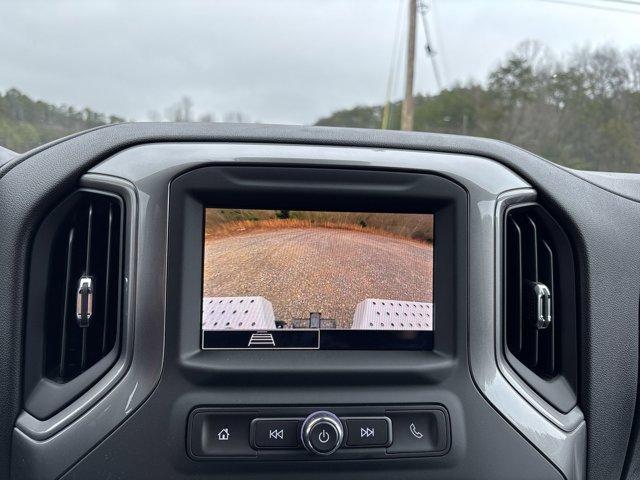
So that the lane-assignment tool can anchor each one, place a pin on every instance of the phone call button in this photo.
(418, 431)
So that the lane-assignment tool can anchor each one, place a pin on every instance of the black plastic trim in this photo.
(299, 413)
(341, 189)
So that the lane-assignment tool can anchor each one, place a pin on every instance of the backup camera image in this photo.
(297, 279)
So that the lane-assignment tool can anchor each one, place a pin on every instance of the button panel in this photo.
(277, 433)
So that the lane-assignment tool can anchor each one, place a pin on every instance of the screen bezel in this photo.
(314, 188)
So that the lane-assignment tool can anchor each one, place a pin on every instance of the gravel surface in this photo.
(318, 270)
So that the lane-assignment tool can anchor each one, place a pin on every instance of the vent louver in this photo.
(84, 282)
(539, 299)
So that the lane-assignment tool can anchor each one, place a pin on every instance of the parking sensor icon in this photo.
(262, 339)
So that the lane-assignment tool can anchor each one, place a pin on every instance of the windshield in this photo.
(559, 78)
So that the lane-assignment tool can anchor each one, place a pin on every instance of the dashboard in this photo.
(244, 301)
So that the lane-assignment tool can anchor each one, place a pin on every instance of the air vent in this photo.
(84, 283)
(539, 301)
(76, 287)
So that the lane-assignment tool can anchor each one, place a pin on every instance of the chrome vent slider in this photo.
(84, 301)
(543, 305)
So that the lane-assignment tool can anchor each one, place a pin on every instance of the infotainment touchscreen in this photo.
(287, 279)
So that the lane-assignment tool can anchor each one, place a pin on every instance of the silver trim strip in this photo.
(157, 161)
(562, 438)
(41, 430)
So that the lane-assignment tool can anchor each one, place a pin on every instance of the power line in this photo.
(393, 67)
(438, 39)
(428, 46)
(595, 7)
(624, 2)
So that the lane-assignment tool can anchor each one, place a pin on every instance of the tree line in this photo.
(27, 123)
(582, 111)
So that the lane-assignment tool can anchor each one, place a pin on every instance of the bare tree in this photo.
(154, 116)
(181, 111)
(207, 118)
(236, 117)
(187, 105)
(632, 57)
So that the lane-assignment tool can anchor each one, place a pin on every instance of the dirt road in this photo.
(318, 269)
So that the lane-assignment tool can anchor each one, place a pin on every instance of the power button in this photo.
(322, 433)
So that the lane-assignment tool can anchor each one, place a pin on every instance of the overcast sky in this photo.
(276, 61)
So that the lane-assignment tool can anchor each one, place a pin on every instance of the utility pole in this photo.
(406, 118)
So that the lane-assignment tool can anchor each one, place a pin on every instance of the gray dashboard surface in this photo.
(152, 167)
(600, 224)
(624, 184)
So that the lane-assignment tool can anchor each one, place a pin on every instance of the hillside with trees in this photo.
(582, 111)
(26, 123)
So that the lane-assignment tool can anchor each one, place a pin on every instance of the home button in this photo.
(220, 434)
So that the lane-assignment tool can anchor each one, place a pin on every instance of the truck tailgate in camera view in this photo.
(300, 279)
